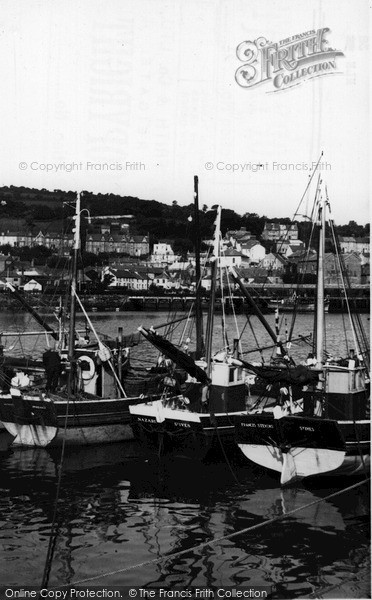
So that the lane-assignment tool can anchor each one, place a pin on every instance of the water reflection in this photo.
(116, 510)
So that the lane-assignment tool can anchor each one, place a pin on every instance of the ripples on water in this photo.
(116, 510)
(338, 336)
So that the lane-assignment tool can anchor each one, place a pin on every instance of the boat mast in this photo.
(198, 305)
(71, 341)
(214, 262)
(320, 287)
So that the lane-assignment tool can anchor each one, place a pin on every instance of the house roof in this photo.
(116, 237)
(250, 243)
(346, 238)
(274, 256)
(231, 252)
(128, 274)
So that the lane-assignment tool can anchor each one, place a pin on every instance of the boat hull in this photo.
(298, 446)
(304, 307)
(42, 421)
(182, 433)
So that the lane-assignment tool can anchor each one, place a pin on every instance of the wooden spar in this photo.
(33, 312)
(25, 333)
(71, 341)
(256, 310)
(320, 289)
(215, 260)
(198, 306)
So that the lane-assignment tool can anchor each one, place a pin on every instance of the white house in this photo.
(272, 262)
(128, 278)
(352, 244)
(253, 250)
(163, 280)
(280, 231)
(230, 258)
(289, 247)
(162, 253)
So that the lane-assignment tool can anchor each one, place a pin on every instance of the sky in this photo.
(135, 97)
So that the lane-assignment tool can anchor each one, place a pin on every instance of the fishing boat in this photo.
(76, 394)
(295, 303)
(199, 420)
(320, 424)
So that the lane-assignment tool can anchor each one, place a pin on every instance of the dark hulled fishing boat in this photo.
(200, 419)
(77, 393)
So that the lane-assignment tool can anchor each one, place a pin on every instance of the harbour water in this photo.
(119, 516)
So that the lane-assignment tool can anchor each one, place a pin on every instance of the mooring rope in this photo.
(214, 541)
(55, 527)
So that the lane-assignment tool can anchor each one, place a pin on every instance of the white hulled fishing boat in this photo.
(326, 428)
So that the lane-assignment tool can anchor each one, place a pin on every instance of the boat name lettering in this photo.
(182, 424)
(258, 425)
(146, 419)
(307, 428)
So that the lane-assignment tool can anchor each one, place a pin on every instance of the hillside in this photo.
(42, 209)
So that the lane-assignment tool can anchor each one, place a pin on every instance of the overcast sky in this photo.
(152, 83)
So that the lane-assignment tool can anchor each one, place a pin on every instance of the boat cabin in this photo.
(227, 391)
(346, 391)
(94, 376)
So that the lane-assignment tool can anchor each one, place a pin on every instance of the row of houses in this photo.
(132, 245)
(142, 276)
(115, 238)
(271, 269)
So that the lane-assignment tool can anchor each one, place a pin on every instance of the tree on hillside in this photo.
(352, 229)
(253, 223)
